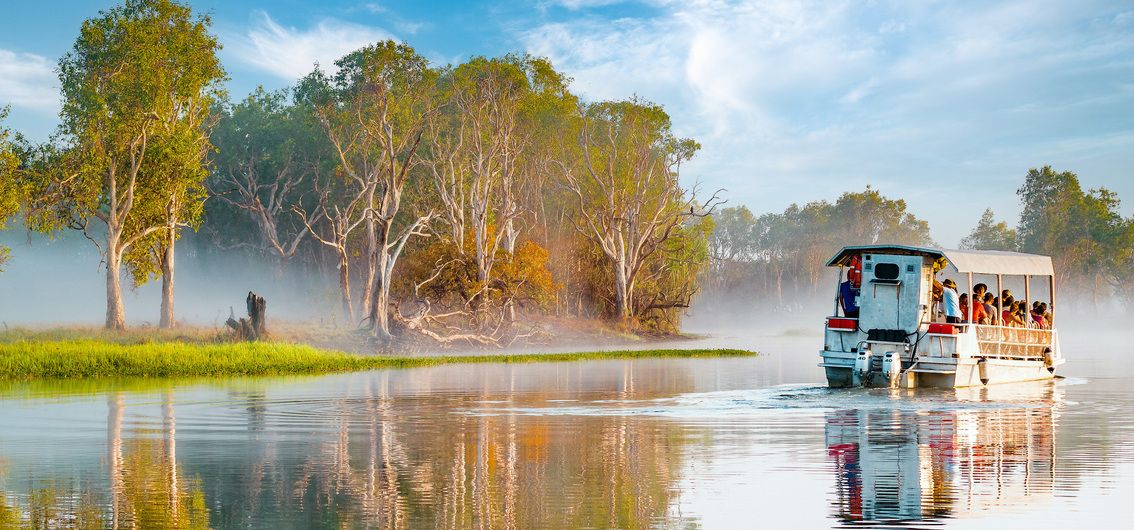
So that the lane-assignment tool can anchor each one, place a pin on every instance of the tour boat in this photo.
(899, 339)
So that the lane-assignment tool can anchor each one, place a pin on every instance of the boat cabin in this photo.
(895, 323)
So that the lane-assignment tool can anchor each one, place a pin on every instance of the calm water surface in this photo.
(668, 443)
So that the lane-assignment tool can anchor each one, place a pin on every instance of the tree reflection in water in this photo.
(385, 450)
(146, 488)
(384, 469)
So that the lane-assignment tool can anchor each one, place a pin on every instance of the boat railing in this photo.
(996, 341)
(1013, 342)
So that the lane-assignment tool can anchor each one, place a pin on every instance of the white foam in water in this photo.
(791, 397)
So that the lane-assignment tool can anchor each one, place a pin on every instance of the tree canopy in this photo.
(991, 235)
(11, 192)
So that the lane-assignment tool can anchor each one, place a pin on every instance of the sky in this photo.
(943, 104)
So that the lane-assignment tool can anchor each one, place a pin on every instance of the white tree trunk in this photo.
(167, 321)
(344, 284)
(115, 313)
(372, 249)
(380, 293)
(623, 294)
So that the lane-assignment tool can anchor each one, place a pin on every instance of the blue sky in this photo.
(945, 104)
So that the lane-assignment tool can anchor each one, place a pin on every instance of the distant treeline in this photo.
(776, 261)
(444, 200)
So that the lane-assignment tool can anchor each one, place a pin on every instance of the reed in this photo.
(86, 358)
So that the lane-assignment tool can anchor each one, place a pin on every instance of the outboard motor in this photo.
(892, 368)
(861, 374)
(1049, 360)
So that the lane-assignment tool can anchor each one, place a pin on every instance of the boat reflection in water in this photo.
(907, 465)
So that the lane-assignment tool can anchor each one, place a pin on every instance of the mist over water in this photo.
(62, 281)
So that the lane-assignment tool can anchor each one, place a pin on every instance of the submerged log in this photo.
(253, 327)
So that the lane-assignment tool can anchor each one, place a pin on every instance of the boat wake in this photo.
(796, 397)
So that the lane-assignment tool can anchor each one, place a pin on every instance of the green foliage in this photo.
(132, 69)
(270, 156)
(990, 235)
(88, 358)
(732, 237)
(870, 218)
(11, 189)
(674, 276)
(1084, 232)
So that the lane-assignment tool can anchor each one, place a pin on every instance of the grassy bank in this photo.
(57, 359)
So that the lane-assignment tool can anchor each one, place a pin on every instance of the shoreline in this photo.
(88, 358)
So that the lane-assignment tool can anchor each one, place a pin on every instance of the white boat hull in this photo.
(938, 372)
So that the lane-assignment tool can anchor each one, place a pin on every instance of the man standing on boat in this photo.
(951, 304)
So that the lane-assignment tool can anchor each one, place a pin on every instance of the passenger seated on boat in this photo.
(980, 316)
(951, 302)
(989, 309)
(1011, 314)
(964, 306)
(1038, 319)
(1041, 317)
(979, 290)
(848, 299)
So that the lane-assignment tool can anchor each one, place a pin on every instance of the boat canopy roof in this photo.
(844, 255)
(961, 261)
(999, 262)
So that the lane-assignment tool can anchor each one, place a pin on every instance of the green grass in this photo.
(88, 358)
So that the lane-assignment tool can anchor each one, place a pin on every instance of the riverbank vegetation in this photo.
(87, 358)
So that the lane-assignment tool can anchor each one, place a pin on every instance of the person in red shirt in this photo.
(980, 316)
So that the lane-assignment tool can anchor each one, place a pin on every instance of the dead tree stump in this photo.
(251, 328)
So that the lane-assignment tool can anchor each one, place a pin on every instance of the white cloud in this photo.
(795, 100)
(575, 5)
(28, 80)
(290, 53)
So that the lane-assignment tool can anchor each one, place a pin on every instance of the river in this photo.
(652, 443)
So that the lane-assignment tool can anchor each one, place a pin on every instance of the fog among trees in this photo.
(774, 262)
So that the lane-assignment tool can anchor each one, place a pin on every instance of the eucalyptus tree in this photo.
(625, 181)
(341, 209)
(1083, 231)
(991, 235)
(267, 161)
(374, 111)
(172, 194)
(476, 153)
(133, 70)
(868, 217)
